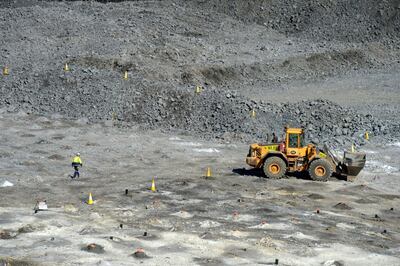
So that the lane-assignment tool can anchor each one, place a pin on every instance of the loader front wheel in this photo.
(320, 170)
(274, 167)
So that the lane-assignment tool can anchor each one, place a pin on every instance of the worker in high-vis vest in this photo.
(76, 163)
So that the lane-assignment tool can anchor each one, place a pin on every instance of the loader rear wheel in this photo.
(274, 167)
(320, 170)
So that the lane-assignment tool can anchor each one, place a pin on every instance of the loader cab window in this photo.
(302, 140)
(293, 141)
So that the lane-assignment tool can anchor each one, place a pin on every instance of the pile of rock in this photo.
(355, 20)
(213, 113)
(224, 114)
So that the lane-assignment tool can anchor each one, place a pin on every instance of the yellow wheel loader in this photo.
(292, 155)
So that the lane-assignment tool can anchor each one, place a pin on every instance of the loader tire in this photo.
(274, 167)
(320, 170)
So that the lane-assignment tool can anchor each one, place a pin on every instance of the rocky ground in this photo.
(235, 217)
(330, 67)
(170, 47)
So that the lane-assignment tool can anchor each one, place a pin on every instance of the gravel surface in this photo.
(344, 20)
(235, 217)
(169, 47)
(330, 66)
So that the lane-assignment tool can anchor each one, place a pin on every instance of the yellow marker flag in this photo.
(90, 200)
(5, 71)
(208, 173)
(153, 185)
(366, 135)
(198, 89)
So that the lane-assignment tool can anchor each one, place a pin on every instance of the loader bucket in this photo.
(353, 163)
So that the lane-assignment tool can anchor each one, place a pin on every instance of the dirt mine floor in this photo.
(331, 67)
(237, 217)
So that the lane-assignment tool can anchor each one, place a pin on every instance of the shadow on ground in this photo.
(259, 173)
(248, 172)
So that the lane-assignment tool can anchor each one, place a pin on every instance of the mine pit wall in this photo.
(163, 97)
(355, 20)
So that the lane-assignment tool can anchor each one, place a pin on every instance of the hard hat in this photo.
(78, 154)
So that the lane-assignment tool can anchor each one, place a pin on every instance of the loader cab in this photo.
(295, 142)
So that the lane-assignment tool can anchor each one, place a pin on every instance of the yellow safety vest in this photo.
(77, 159)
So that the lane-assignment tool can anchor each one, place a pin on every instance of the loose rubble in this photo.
(327, 20)
(159, 89)
(217, 114)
